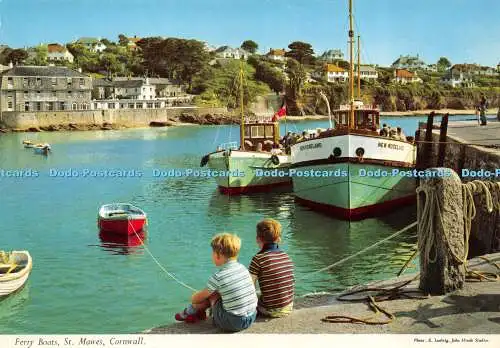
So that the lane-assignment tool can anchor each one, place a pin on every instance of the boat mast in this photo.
(359, 69)
(242, 125)
(351, 71)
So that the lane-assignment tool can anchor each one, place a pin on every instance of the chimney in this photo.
(11, 65)
(79, 70)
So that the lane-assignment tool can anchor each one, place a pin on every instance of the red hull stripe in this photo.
(362, 212)
(126, 227)
(252, 189)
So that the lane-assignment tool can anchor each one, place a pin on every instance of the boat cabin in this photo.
(260, 135)
(367, 119)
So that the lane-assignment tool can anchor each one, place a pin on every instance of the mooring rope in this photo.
(158, 263)
(362, 251)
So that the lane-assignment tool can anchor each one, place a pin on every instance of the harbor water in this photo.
(84, 283)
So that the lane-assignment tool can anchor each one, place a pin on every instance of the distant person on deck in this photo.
(230, 291)
(498, 114)
(273, 270)
(384, 131)
(400, 134)
(483, 106)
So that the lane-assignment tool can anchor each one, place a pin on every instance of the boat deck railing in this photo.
(232, 145)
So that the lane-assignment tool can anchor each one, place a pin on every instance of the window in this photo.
(111, 105)
(38, 81)
(69, 93)
(54, 94)
(74, 106)
(82, 83)
(139, 106)
(53, 81)
(62, 106)
(10, 105)
(10, 82)
(25, 94)
(269, 131)
(25, 82)
(38, 106)
(257, 131)
(26, 106)
(149, 105)
(157, 105)
(131, 105)
(69, 81)
(50, 106)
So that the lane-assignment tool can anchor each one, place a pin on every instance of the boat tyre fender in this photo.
(204, 160)
(360, 152)
(275, 160)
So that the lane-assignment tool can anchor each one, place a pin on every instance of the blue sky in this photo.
(465, 31)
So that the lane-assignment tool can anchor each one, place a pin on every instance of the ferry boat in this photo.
(257, 164)
(42, 149)
(350, 170)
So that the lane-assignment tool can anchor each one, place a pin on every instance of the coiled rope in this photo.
(431, 206)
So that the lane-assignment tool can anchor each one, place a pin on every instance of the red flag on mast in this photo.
(280, 113)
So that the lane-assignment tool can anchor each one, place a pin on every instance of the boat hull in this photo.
(13, 282)
(351, 196)
(350, 186)
(122, 226)
(249, 171)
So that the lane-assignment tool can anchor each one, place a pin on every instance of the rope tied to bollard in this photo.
(427, 212)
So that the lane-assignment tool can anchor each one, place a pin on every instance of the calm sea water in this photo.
(81, 283)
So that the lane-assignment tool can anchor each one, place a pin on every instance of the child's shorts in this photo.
(228, 321)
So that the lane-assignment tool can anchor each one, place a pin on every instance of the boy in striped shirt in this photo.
(273, 269)
(230, 292)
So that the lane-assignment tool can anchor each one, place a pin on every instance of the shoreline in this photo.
(208, 119)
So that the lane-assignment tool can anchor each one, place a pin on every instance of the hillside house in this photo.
(58, 53)
(404, 76)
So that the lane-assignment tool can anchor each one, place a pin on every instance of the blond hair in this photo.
(226, 244)
(269, 231)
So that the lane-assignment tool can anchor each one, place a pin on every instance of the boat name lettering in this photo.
(391, 146)
(310, 146)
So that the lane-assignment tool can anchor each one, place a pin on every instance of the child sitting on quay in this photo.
(230, 291)
(273, 269)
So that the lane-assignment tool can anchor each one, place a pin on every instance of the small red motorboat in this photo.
(121, 218)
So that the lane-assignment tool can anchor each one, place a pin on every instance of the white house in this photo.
(135, 89)
(234, 53)
(367, 73)
(332, 73)
(58, 53)
(276, 54)
(92, 43)
(457, 79)
(404, 76)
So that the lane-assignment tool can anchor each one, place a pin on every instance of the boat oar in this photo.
(13, 267)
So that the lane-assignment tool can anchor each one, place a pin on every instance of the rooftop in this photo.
(46, 71)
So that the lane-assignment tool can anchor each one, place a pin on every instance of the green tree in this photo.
(222, 88)
(122, 40)
(443, 63)
(15, 56)
(110, 63)
(250, 46)
(268, 74)
(40, 57)
(302, 52)
(296, 78)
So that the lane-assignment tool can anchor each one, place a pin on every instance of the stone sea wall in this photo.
(121, 117)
